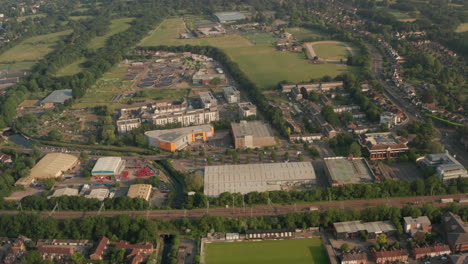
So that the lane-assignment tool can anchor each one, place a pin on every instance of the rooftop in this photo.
(58, 96)
(252, 128)
(230, 90)
(229, 16)
(107, 165)
(376, 141)
(99, 194)
(52, 165)
(65, 191)
(247, 178)
(344, 170)
(139, 191)
(444, 161)
(173, 135)
(423, 220)
(371, 227)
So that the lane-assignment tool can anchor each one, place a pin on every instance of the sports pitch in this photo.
(256, 56)
(294, 251)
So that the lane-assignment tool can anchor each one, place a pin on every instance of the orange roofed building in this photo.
(178, 138)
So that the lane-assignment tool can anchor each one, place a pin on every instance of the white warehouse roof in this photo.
(108, 165)
(256, 177)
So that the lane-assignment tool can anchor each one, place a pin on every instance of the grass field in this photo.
(330, 51)
(261, 62)
(117, 26)
(401, 16)
(260, 38)
(71, 68)
(462, 28)
(30, 50)
(294, 251)
(167, 94)
(302, 34)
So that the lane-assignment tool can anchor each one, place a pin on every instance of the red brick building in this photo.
(456, 232)
(396, 255)
(99, 251)
(431, 251)
(354, 258)
(379, 146)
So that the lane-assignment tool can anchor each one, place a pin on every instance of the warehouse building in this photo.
(53, 165)
(99, 194)
(56, 97)
(380, 146)
(108, 166)
(257, 177)
(231, 94)
(353, 229)
(227, 17)
(178, 138)
(252, 134)
(342, 171)
(65, 192)
(140, 191)
(447, 167)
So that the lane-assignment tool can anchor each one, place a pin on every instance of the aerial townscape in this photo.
(234, 131)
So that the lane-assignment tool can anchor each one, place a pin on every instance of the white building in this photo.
(108, 166)
(389, 119)
(187, 118)
(247, 109)
(447, 167)
(207, 100)
(231, 94)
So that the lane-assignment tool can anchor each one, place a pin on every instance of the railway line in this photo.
(253, 211)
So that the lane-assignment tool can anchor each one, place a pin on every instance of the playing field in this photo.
(30, 50)
(462, 28)
(117, 26)
(72, 68)
(260, 38)
(294, 251)
(261, 61)
(331, 50)
(305, 34)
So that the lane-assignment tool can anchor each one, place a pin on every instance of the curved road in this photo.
(253, 211)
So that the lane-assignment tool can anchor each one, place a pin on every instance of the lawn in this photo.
(117, 26)
(265, 65)
(260, 38)
(294, 251)
(305, 34)
(462, 28)
(331, 51)
(167, 94)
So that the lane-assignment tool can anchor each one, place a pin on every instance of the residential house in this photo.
(418, 224)
(456, 232)
(386, 256)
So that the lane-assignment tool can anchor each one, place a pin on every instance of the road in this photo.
(253, 211)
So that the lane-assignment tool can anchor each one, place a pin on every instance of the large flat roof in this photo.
(173, 135)
(52, 165)
(255, 177)
(348, 171)
(58, 96)
(371, 227)
(140, 191)
(107, 165)
(229, 16)
(252, 128)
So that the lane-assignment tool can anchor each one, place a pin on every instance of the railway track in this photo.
(252, 211)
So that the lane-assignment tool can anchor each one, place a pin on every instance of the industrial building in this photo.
(53, 165)
(257, 177)
(353, 229)
(380, 146)
(226, 17)
(207, 100)
(99, 194)
(247, 109)
(108, 166)
(25, 181)
(56, 97)
(140, 191)
(178, 138)
(65, 191)
(447, 167)
(231, 94)
(342, 171)
(252, 134)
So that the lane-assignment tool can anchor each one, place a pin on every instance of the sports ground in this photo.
(256, 56)
(294, 251)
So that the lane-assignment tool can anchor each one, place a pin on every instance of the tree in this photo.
(344, 247)
(32, 257)
(49, 184)
(355, 150)
(54, 135)
(194, 182)
(382, 240)
(420, 238)
(215, 81)
(78, 258)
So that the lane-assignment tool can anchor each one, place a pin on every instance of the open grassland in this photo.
(23, 18)
(401, 16)
(71, 68)
(462, 28)
(260, 38)
(262, 62)
(30, 50)
(117, 26)
(304, 34)
(331, 50)
(294, 251)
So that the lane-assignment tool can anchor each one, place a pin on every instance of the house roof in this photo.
(390, 253)
(101, 247)
(423, 220)
(354, 256)
(229, 16)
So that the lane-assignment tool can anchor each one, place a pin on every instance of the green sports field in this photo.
(117, 26)
(331, 51)
(294, 251)
(261, 61)
(302, 34)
